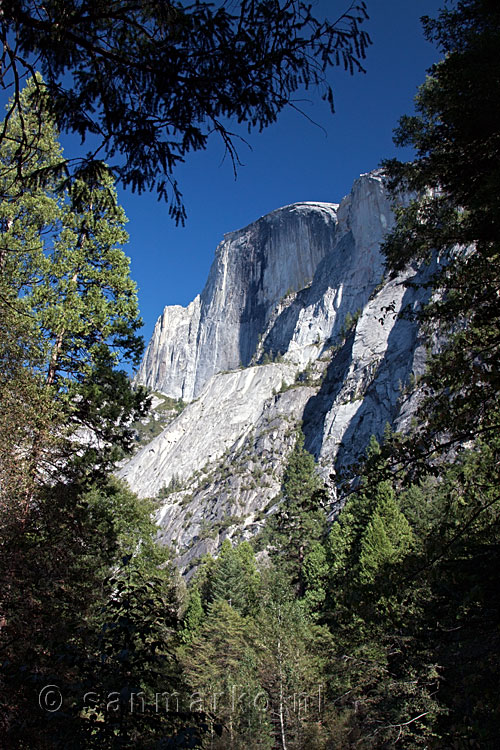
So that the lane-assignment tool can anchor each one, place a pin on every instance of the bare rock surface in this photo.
(296, 327)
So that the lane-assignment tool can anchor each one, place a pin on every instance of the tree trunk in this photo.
(282, 696)
(54, 360)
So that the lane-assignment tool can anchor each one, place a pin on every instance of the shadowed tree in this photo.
(454, 212)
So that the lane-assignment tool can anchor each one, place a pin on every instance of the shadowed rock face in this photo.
(253, 270)
(304, 282)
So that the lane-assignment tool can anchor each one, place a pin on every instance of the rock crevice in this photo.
(295, 327)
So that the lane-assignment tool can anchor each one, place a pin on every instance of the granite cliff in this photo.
(295, 326)
(253, 270)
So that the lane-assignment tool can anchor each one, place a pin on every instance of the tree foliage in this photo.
(454, 214)
(235, 578)
(81, 577)
(88, 605)
(258, 673)
(380, 631)
(145, 84)
(414, 553)
(300, 520)
(65, 282)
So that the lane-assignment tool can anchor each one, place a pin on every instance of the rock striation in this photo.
(260, 294)
(296, 326)
(253, 270)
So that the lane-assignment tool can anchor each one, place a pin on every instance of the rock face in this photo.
(296, 309)
(253, 270)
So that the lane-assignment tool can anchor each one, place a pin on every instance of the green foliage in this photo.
(382, 632)
(26, 408)
(315, 573)
(413, 554)
(88, 600)
(260, 675)
(175, 485)
(232, 578)
(66, 283)
(89, 605)
(168, 403)
(456, 177)
(290, 664)
(305, 376)
(268, 357)
(386, 540)
(300, 520)
(411, 602)
(220, 667)
(349, 323)
(406, 594)
(385, 679)
(154, 422)
(193, 616)
(300, 480)
(135, 655)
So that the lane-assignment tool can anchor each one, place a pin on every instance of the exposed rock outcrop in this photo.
(253, 270)
(296, 308)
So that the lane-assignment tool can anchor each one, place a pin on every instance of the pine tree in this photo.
(387, 677)
(149, 82)
(414, 553)
(133, 655)
(455, 181)
(221, 671)
(63, 272)
(69, 318)
(315, 574)
(387, 538)
(26, 408)
(235, 578)
(291, 658)
(88, 604)
(193, 616)
(300, 520)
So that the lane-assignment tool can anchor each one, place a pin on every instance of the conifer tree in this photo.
(64, 273)
(291, 665)
(300, 520)
(88, 604)
(193, 616)
(221, 671)
(412, 601)
(386, 540)
(386, 676)
(454, 182)
(315, 575)
(149, 82)
(69, 318)
(235, 578)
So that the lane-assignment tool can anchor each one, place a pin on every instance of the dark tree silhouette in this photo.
(146, 82)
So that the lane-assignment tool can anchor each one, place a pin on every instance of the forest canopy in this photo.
(375, 628)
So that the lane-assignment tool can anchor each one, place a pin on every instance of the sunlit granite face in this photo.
(300, 288)
(253, 270)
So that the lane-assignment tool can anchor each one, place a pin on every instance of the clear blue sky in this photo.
(293, 160)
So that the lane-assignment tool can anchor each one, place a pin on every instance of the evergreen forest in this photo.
(378, 627)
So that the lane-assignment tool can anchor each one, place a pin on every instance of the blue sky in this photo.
(293, 160)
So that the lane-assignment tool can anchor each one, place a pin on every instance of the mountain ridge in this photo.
(331, 357)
